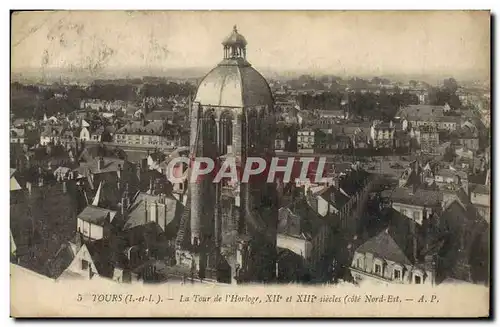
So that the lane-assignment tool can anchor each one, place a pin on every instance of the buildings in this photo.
(427, 137)
(391, 258)
(17, 135)
(304, 232)
(306, 140)
(427, 115)
(451, 241)
(480, 197)
(415, 203)
(466, 136)
(382, 135)
(43, 217)
(344, 201)
(145, 133)
(56, 135)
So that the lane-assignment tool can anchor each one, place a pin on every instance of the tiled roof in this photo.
(137, 215)
(330, 113)
(160, 115)
(41, 223)
(449, 119)
(299, 220)
(480, 188)
(383, 246)
(420, 197)
(354, 181)
(96, 215)
(106, 255)
(446, 172)
(334, 196)
(110, 165)
(61, 261)
(421, 111)
(17, 132)
(157, 156)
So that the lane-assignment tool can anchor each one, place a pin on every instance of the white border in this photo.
(190, 4)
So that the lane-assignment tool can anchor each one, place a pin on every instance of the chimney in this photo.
(123, 207)
(125, 202)
(156, 212)
(28, 186)
(151, 191)
(78, 239)
(413, 236)
(100, 163)
(332, 197)
(144, 164)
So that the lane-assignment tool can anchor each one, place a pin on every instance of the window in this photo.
(358, 263)
(418, 279)
(378, 269)
(397, 274)
(85, 265)
(416, 216)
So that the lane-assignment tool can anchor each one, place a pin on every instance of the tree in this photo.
(450, 85)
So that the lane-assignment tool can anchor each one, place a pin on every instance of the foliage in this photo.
(34, 101)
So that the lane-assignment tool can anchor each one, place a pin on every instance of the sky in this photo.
(333, 42)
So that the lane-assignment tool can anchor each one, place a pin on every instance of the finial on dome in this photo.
(234, 45)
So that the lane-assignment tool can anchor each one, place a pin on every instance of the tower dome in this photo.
(235, 38)
(234, 82)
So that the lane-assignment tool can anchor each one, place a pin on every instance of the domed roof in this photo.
(235, 38)
(234, 84)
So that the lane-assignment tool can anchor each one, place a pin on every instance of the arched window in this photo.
(252, 130)
(225, 132)
(209, 131)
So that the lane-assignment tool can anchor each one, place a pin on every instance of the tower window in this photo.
(397, 274)
(378, 269)
(85, 265)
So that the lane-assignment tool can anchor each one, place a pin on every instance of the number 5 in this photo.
(79, 298)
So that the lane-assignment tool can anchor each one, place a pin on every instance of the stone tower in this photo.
(232, 118)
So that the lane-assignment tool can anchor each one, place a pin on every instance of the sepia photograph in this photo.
(250, 163)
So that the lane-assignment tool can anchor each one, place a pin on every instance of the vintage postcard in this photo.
(250, 164)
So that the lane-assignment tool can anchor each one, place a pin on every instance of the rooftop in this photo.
(137, 215)
(299, 220)
(41, 222)
(96, 215)
(383, 246)
(110, 165)
(420, 197)
(421, 111)
(480, 188)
